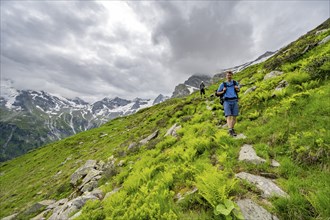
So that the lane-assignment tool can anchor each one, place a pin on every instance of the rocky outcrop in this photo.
(172, 131)
(267, 186)
(273, 74)
(250, 90)
(281, 85)
(64, 211)
(252, 211)
(149, 138)
(247, 153)
(325, 40)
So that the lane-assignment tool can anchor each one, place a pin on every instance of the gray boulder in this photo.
(321, 31)
(325, 40)
(82, 171)
(281, 85)
(273, 74)
(11, 217)
(150, 137)
(172, 131)
(248, 154)
(250, 90)
(267, 186)
(252, 211)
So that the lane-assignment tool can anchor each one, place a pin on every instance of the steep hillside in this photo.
(196, 171)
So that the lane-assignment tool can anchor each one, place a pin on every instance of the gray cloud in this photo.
(69, 48)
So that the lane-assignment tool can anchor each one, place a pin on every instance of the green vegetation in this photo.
(158, 179)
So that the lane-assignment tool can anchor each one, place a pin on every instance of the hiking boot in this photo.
(233, 132)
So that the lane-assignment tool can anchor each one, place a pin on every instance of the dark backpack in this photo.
(222, 99)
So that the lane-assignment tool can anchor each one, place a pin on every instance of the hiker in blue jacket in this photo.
(230, 105)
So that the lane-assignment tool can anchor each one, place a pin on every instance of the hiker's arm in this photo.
(237, 88)
(221, 90)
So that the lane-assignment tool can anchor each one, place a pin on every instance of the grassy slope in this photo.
(291, 127)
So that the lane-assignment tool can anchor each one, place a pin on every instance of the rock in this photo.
(265, 185)
(325, 40)
(64, 211)
(240, 136)
(97, 193)
(274, 163)
(132, 147)
(273, 74)
(103, 135)
(250, 90)
(76, 215)
(321, 31)
(121, 163)
(306, 49)
(58, 203)
(149, 138)
(89, 186)
(252, 211)
(281, 85)
(11, 217)
(37, 207)
(172, 130)
(248, 154)
(42, 215)
(268, 175)
(82, 171)
(90, 175)
(112, 192)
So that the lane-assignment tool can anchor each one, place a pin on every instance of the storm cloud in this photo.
(131, 49)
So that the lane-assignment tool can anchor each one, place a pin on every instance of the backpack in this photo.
(222, 99)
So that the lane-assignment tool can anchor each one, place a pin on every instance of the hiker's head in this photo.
(229, 75)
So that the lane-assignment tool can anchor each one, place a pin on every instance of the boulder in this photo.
(250, 90)
(149, 138)
(321, 31)
(42, 215)
(267, 186)
(90, 176)
(248, 154)
(112, 192)
(272, 74)
(82, 171)
(132, 147)
(253, 211)
(11, 217)
(172, 130)
(64, 211)
(240, 136)
(37, 207)
(325, 40)
(281, 85)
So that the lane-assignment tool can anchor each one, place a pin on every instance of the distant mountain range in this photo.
(192, 84)
(30, 119)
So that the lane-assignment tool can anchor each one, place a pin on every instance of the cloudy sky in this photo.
(97, 49)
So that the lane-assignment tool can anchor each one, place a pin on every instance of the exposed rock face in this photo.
(247, 153)
(82, 171)
(268, 187)
(172, 131)
(273, 74)
(252, 211)
(180, 90)
(11, 217)
(321, 31)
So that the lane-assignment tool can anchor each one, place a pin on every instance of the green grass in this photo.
(291, 126)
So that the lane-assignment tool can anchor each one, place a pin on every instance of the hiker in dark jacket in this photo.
(202, 89)
(230, 88)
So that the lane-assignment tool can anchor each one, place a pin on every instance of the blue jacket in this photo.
(230, 93)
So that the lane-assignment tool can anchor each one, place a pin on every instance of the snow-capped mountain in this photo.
(30, 118)
(191, 85)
